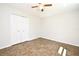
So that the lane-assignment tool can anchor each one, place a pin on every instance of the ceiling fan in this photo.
(41, 6)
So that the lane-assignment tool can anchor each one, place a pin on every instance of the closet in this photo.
(19, 28)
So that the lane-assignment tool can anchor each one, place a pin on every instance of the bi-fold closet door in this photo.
(19, 28)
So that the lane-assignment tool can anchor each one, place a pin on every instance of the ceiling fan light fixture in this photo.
(42, 10)
(42, 6)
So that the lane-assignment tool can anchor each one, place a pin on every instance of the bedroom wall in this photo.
(34, 28)
(5, 30)
(63, 27)
(4, 27)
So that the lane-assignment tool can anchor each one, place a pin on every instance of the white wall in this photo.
(5, 30)
(62, 27)
(4, 27)
(34, 28)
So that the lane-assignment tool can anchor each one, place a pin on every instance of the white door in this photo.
(19, 29)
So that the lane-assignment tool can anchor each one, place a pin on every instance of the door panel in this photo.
(19, 28)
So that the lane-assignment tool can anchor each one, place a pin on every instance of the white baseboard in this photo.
(17, 42)
(36, 38)
(70, 43)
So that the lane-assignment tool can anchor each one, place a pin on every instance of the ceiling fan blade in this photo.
(48, 5)
(34, 6)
